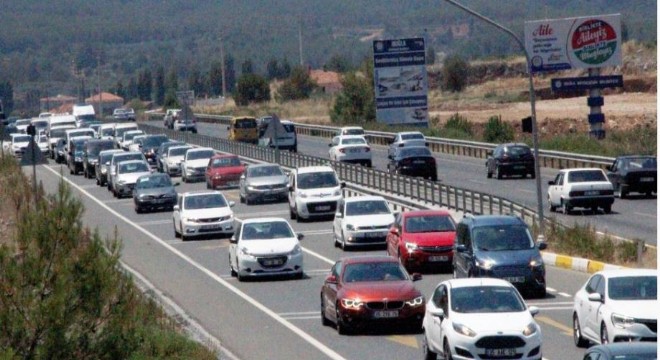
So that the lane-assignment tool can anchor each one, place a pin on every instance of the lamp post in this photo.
(532, 100)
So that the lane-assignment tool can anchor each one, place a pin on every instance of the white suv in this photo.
(313, 192)
(362, 220)
(582, 187)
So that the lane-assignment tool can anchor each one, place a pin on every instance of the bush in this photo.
(459, 123)
(455, 73)
(251, 88)
(298, 86)
(355, 103)
(498, 131)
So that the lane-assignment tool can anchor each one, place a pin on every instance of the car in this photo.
(351, 130)
(413, 161)
(170, 116)
(265, 246)
(134, 144)
(102, 166)
(107, 131)
(119, 129)
(634, 173)
(162, 149)
(91, 155)
(40, 125)
(405, 139)
(55, 133)
(149, 145)
(122, 114)
(127, 138)
(616, 305)
(480, 319)
(263, 182)
(194, 164)
(362, 220)
(68, 134)
(205, 212)
(422, 238)
(510, 159)
(22, 124)
(499, 246)
(370, 290)
(126, 174)
(172, 162)
(115, 159)
(350, 149)
(623, 351)
(243, 129)
(287, 138)
(154, 191)
(223, 170)
(75, 155)
(18, 143)
(580, 187)
(262, 124)
(42, 143)
(130, 114)
(96, 127)
(60, 152)
(182, 123)
(314, 191)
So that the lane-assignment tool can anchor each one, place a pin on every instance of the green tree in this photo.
(7, 97)
(498, 131)
(337, 63)
(272, 69)
(158, 94)
(214, 79)
(251, 88)
(144, 85)
(355, 104)
(247, 67)
(230, 73)
(298, 86)
(196, 81)
(285, 70)
(455, 73)
(120, 90)
(172, 81)
(430, 55)
(171, 102)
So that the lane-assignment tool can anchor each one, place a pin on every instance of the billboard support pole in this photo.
(596, 117)
(532, 100)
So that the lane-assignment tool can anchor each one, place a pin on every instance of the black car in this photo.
(91, 152)
(510, 159)
(623, 351)
(634, 173)
(103, 165)
(499, 246)
(162, 149)
(154, 191)
(59, 151)
(75, 158)
(149, 145)
(413, 161)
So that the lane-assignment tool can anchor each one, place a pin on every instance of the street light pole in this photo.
(532, 100)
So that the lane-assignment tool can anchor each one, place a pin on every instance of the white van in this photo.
(54, 134)
(60, 120)
(314, 191)
(83, 113)
(120, 129)
(75, 133)
(287, 140)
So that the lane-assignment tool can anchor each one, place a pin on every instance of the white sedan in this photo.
(18, 144)
(581, 187)
(195, 162)
(126, 175)
(350, 149)
(480, 318)
(406, 139)
(362, 220)
(617, 305)
(265, 247)
(172, 161)
(202, 213)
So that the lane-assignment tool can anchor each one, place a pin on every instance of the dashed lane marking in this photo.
(548, 321)
(549, 289)
(564, 294)
(406, 340)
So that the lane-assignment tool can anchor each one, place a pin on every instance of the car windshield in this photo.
(412, 137)
(58, 133)
(120, 132)
(246, 124)
(126, 157)
(200, 154)
(429, 223)
(22, 122)
(633, 288)
(367, 207)
(40, 124)
(131, 135)
(289, 128)
(107, 131)
(586, 176)
(317, 180)
(353, 132)
(353, 141)
(374, 271)
(106, 157)
(21, 138)
(261, 171)
(501, 238)
(485, 299)
(179, 151)
(79, 143)
(415, 152)
(519, 150)
(205, 201)
(94, 149)
(154, 141)
(42, 139)
(225, 162)
(639, 163)
(153, 181)
(266, 231)
(133, 167)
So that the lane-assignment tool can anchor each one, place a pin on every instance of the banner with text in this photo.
(574, 43)
(400, 83)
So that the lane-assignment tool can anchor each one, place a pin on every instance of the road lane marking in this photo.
(548, 321)
(550, 289)
(406, 340)
(645, 214)
(564, 294)
(296, 330)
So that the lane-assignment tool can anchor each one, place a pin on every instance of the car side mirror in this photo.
(595, 297)
(331, 279)
(416, 277)
(342, 184)
(233, 240)
(300, 236)
(175, 208)
(177, 183)
(533, 310)
(232, 203)
(461, 248)
(551, 182)
(439, 313)
(542, 245)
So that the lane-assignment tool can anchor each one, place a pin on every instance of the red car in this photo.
(366, 290)
(224, 170)
(422, 237)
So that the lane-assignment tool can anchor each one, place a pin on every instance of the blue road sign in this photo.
(586, 83)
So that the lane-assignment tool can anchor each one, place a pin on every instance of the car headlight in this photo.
(485, 264)
(464, 330)
(188, 219)
(296, 250)
(352, 303)
(416, 301)
(104, 170)
(245, 251)
(411, 246)
(250, 187)
(538, 262)
(622, 321)
(302, 195)
(350, 227)
(530, 329)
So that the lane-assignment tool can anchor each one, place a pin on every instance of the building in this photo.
(109, 102)
(54, 103)
(328, 81)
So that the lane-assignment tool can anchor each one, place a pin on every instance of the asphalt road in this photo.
(279, 318)
(633, 217)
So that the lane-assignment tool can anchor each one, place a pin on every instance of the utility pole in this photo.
(222, 67)
(300, 43)
(98, 79)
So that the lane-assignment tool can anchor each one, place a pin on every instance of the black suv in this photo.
(634, 173)
(502, 247)
(510, 159)
(149, 146)
(91, 152)
(413, 161)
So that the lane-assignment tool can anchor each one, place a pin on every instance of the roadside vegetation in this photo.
(62, 293)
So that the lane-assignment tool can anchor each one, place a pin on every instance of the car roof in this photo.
(412, 213)
(410, 132)
(252, 166)
(179, 146)
(635, 156)
(125, 125)
(130, 153)
(200, 192)
(313, 169)
(108, 125)
(352, 128)
(515, 144)
(579, 169)
(132, 161)
(367, 259)
(200, 149)
(351, 137)
(363, 198)
(471, 282)
(628, 272)
(493, 220)
(286, 122)
(263, 220)
(111, 151)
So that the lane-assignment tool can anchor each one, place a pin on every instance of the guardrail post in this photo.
(456, 199)
(490, 204)
(464, 200)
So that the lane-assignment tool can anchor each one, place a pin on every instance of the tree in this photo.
(172, 81)
(455, 73)
(7, 97)
(196, 81)
(120, 90)
(355, 103)
(214, 79)
(251, 88)
(247, 67)
(285, 71)
(298, 86)
(158, 94)
(430, 55)
(272, 69)
(144, 85)
(337, 63)
(230, 73)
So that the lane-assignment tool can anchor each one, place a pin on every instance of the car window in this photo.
(367, 207)
(463, 236)
(204, 201)
(374, 271)
(593, 284)
(586, 176)
(644, 162)
(335, 269)
(440, 298)
(246, 124)
(267, 231)
(600, 288)
(262, 171)
(133, 167)
(225, 162)
(485, 299)
(154, 141)
(289, 128)
(421, 151)
(429, 223)
(178, 151)
(201, 154)
(150, 182)
(519, 150)
(633, 288)
(353, 141)
(317, 180)
(125, 157)
(501, 238)
(412, 137)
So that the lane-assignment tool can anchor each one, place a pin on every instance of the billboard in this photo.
(574, 43)
(400, 82)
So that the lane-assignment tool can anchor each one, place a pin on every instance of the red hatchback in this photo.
(422, 237)
(223, 170)
(371, 289)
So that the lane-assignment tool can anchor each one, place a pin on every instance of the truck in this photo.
(83, 114)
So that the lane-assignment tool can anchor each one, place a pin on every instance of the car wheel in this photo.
(98, 183)
(247, 200)
(649, 194)
(604, 338)
(183, 177)
(138, 209)
(241, 199)
(498, 172)
(426, 350)
(447, 350)
(369, 163)
(324, 320)
(232, 272)
(334, 236)
(621, 192)
(578, 340)
(565, 208)
(489, 174)
(594, 209)
(540, 293)
(299, 276)
(183, 236)
(607, 208)
(342, 328)
(342, 244)
(176, 233)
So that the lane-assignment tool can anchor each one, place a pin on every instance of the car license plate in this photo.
(515, 279)
(591, 193)
(646, 179)
(386, 314)
(354, 151)
(438, 258)
(160, 201)
(322, 208)
(272, 262)
(501, 352)
(419, 162)
(519, 167)
(372, 235)
(211, 227)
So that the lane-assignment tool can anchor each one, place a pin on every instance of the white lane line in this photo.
(550, 289)
(645, 214)
(564, 294)
(311, 340)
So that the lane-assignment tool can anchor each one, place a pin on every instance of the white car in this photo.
(581, 187)
(116, 159)
(351, 130)
(18, 144)
(55, 133)
(313, 192)
(616, 305)
(134, 144)
(480, 318)
(107, 131)
(22, 124)
(265, 247)
(350, 149)
(362, 220)
(172, 161)
(195, 162)
(127, 138)
(119, 129)
(42, 142)
(202, 213)
(405, 139)
(126, 175)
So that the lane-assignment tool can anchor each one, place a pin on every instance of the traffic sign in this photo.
(586, 83)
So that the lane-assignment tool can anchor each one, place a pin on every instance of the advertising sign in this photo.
(574, 43)
(400, 82)
(586, 83)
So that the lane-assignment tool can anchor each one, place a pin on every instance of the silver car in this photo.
(261, 182)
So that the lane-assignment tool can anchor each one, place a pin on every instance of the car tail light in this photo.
(407, 161)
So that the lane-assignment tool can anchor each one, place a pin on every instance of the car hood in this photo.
(443, 238)
(639, 309)
(197, 163)
(175, 159)
(269, 247)
(268, 180)
(374, 220)
(156, 191)
(494, 322)
(131, 178)
(380, 290)
(510, 257)
(320, 192)
(207, 213)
